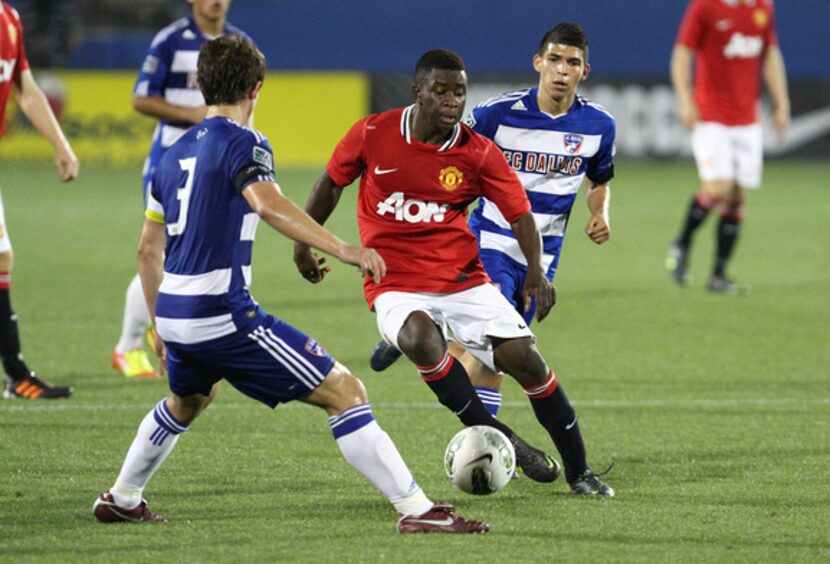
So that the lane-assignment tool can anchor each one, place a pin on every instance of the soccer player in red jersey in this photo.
(733, 43)
(420, 168)
(16, 80)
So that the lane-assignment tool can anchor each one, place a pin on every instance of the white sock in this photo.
(136, 318)
(371, 452)
(156, 437)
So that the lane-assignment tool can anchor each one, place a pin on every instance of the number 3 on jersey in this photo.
(183, 195)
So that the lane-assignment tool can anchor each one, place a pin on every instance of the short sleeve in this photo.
(153, 73)
(483, 120)
(601, 166)
(250, 159)
(154, 210)
(348, 160)
(771, 37)
(22, 60)
(693, 27)
(500, 185)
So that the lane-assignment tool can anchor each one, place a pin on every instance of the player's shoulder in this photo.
(236, 132)
(515, 100)
(11, 11)
(171, 32)
(590, 110)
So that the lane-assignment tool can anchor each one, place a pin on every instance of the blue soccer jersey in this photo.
(196, 193)
(169, 71)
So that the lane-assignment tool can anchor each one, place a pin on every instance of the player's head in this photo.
(440, 87)
(211, 10)
(562, 61)
(230, 70)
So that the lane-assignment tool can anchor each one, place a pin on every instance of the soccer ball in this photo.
(480, 460)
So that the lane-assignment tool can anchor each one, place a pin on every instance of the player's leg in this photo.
(520, 358)
(370, 451)
(19, 381)
(486, 382)
(129, 357)
(713, 156)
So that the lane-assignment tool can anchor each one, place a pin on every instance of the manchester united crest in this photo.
(760, 18)
(12, 34)
(450, 178)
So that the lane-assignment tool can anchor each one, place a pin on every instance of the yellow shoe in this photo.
(133, 364)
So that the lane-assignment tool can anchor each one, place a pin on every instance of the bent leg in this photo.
(486, 382)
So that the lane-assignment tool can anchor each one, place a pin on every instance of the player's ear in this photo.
(585, 72)
(416, 91)
(537, 62)
(255, 90)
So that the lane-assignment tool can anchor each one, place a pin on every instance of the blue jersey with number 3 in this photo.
(196, 193)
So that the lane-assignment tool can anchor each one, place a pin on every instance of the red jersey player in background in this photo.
(16, 79)
(419, 169)
(733, 43)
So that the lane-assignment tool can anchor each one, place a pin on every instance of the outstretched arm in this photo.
(599, 199)
(321, 203)
(681, 80)
(159, 108)
(34, 105)
(775, 78)
(536, 283)
(266, 199)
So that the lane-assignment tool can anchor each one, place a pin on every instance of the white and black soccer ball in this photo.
(480, 460)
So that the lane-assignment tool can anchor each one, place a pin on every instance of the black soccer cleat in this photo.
(724, 285)
(589, 483)
(677, 263)
(31, 387)
(537, 465)
(384, 356)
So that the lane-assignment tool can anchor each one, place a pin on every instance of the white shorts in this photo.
(5, 242)
(473, 315)
(729, 152)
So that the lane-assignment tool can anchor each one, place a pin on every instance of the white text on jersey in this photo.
(411, 210)
(6, 69)
(743, 46)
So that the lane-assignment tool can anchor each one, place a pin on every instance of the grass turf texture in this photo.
(715, 409)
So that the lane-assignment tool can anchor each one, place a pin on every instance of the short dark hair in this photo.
(228, 68)
(566, 34)
(443, 59)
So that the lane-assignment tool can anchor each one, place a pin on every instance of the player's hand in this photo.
(781, 122)
(598, 229)
(537, 285)
(66, 163)
(688, 114)
(161, 352)
(309, 264)
(368, 261)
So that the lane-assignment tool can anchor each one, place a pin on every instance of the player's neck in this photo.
(211, 28)
(427, 133)
(552, 106)
(239, 113)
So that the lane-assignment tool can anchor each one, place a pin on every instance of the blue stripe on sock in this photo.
(490, 397)
(351, 420)
(165, 419)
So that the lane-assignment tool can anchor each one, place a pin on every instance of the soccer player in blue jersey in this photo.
(552, 138)
(209, 192)
(167, 90)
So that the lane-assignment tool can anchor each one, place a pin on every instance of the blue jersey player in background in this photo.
(208, 194)
(553, 138)
(167, 89)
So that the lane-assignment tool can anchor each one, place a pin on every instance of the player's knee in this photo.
(6, 261)
(718, 189)
(420, 340)
(187, 409)
(348, 390)
(521, 359)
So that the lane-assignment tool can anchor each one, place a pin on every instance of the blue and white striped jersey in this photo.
(551, 155)
(196, 193)
(169, 71)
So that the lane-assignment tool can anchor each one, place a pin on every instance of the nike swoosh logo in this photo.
(463, 409)
(723, 24)
(488, 457)
(439, 523)
(571, 424)
(380, 171)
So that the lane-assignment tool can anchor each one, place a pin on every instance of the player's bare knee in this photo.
(521, 359)
(6, 261)
(421, 340)
(187, 409)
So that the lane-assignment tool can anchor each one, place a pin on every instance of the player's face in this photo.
(441, 97)
(211, 10)
(561, 68)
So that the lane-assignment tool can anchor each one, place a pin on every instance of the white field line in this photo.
(73, 405)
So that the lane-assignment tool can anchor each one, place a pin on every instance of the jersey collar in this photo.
(406, 131)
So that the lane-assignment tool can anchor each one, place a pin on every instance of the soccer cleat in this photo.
(589, 483)
(677, 263)
(133, 364)
(440, 519)
(384, 356)
(537, 465)
(723, 285)
(106, 510)
(31, 387)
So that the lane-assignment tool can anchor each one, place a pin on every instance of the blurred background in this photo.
(332, 62)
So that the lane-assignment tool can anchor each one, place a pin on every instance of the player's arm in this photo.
(320, 204)
(34, 105)
(775, 78)
(536, 283)
(151, 271)
(598, 198)
(681, 80)
(266, 199)
(159, 108)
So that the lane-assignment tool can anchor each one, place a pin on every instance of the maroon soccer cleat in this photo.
(440, 519)
(107, 511)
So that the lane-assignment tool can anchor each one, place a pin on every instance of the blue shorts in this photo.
(273, 363)
(509, 277)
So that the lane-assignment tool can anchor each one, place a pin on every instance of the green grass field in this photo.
(715, 410)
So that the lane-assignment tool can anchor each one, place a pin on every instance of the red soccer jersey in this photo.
(729, 38)
(12, 56)
(413, 197)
